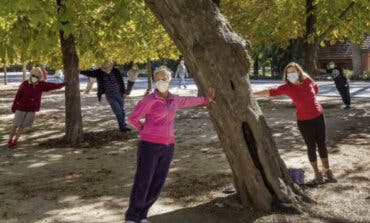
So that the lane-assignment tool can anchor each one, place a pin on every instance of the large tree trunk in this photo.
(73, 119)
(219, 58)
(356, 60)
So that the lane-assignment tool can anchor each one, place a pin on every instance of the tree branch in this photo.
(334, 25)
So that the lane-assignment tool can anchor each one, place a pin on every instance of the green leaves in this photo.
(121, 30)
(278, 21)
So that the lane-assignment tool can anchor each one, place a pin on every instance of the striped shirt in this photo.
(110, 84)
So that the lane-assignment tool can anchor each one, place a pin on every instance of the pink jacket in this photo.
(160, 116)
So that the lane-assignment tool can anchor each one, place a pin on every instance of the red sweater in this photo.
(28, 97)
(303, 96)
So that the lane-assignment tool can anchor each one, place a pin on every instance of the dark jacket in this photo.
(98, 74)
(338, 75)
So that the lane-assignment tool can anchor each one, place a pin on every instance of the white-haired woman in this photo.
(27, 102)
(156, 146)
(300, 87)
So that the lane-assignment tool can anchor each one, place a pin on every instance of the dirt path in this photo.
(44, 181)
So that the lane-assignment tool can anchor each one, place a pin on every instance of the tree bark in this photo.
(219, 58)
(5, 74)
(356, 60)
(310, 42)
(149, 77)
(24, 71)
(73, 118)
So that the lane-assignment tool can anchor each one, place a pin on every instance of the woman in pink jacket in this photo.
(157, 140)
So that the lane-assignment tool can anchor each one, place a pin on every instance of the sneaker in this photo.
(330, 176)
(10, 142)
(144, 220)
(130, 221)
(347, 107)
(125, 129)
(317, 180)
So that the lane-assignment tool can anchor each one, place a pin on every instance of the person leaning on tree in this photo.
(340, 80)
(156, 145)
(300, 87)
(132, 76)
(110, 82)
(27, 102)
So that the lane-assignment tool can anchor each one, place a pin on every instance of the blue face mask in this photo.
(292, 77)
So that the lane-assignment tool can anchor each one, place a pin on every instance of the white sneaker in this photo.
(130, 222)
(144, 220)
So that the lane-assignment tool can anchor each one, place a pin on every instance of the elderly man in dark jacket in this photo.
(110, 83)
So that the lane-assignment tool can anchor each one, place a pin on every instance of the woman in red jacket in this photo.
(300, 87)
(27, 102)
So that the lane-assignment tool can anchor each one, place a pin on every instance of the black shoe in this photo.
(125, 129)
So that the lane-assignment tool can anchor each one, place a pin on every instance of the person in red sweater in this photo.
(300, 87)
(27, 102)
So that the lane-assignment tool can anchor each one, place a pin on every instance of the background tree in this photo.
(220, 59)
(77, 34)
(313, 23)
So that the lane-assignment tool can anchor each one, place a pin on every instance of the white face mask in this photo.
(292, 77)
(162, 85)
(34, 79)
(331, 66)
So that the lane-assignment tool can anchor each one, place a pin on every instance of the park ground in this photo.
(44, 181)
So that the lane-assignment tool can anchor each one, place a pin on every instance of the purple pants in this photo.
(153, 163)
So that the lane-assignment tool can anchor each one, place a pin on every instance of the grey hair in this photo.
(164, 69)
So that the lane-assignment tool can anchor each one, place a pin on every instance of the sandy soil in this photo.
(42, 180)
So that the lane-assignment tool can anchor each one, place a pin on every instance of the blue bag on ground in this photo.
(297, 175)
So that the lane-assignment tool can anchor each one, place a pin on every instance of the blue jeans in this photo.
(182, 81)
(118, 108)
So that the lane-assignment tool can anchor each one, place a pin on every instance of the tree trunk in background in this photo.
(309, 58)
(219, 57)
(149, 77)
(310, 45)
(5, 74)
(24, 71)
(73, 118)
(255, 67)
(356, 61)
(263, 70)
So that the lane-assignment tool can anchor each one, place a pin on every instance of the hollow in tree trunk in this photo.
(219, 58)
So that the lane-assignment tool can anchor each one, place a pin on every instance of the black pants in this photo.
(344, 93)
(130, 84)
(313, 132)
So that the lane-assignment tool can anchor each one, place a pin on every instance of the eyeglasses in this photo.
(35, 76)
